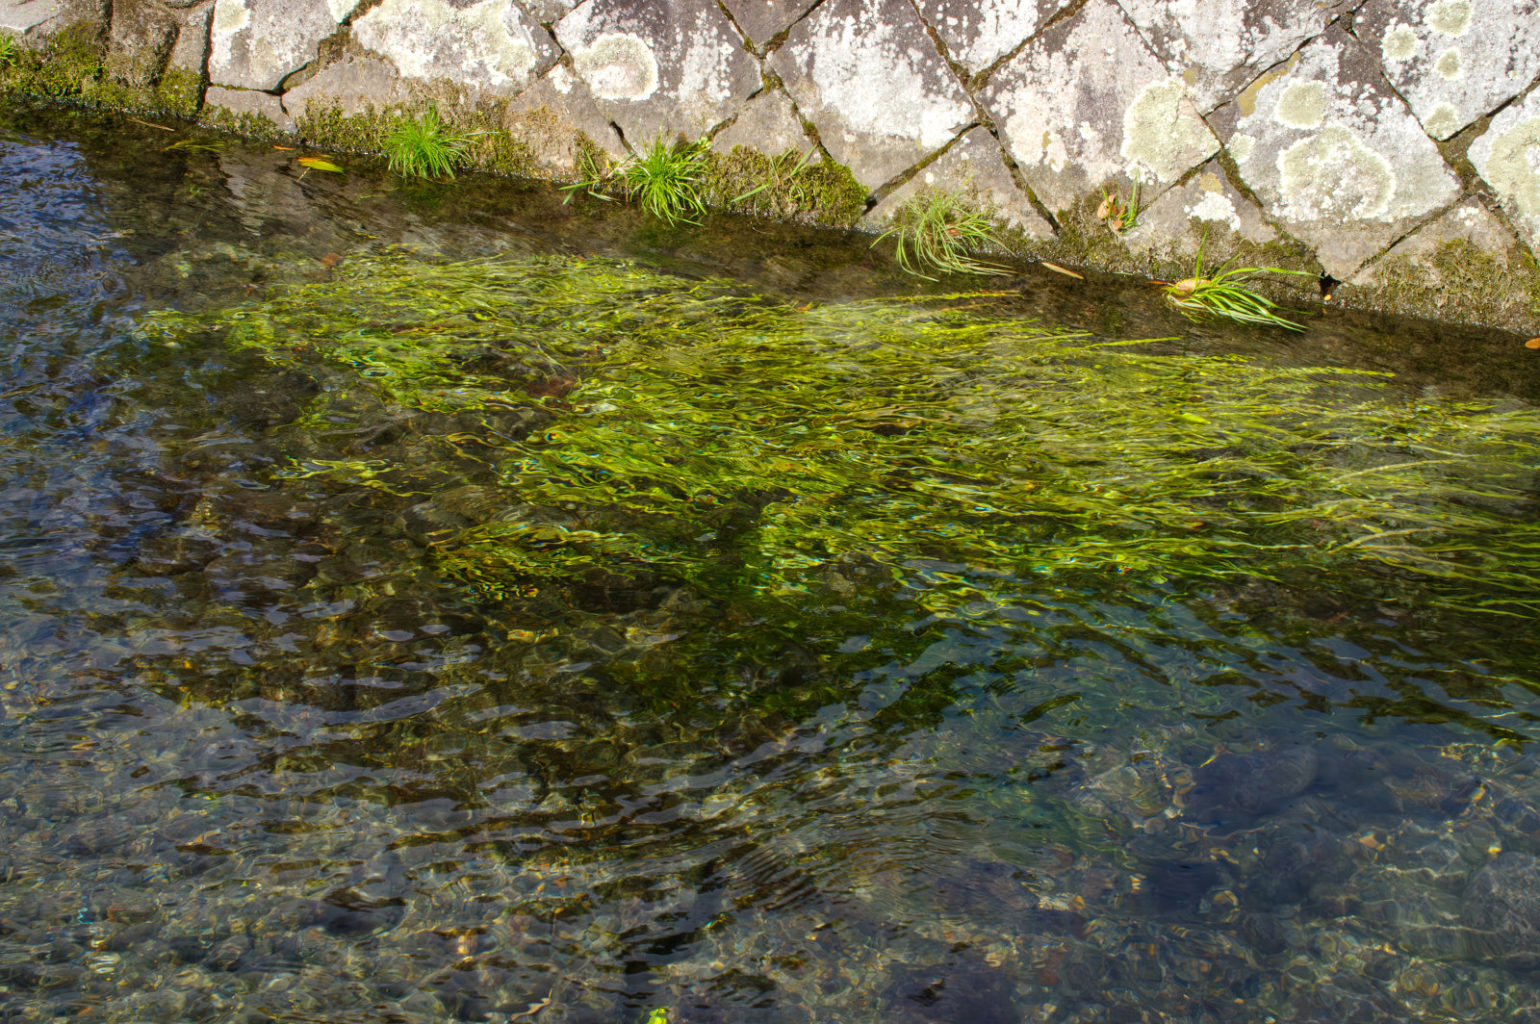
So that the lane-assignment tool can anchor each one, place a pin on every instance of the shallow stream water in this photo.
(443, 604)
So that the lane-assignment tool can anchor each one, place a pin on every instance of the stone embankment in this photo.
(1390, 147)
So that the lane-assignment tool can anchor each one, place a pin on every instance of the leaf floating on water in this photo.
(316, 163)
(1532, 343)
(1060, 270)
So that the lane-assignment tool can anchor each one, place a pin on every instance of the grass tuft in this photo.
(1119, 214)
(426, 147)
(937, 231)
(667, 180)
(1223, 293)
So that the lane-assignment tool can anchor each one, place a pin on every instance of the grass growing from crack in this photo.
(667, 181)
(426, 146)
(937, 232)
(1119, 214)
(7, 49)
(1223, 293)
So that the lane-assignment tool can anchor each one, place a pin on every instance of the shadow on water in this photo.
(448, 604)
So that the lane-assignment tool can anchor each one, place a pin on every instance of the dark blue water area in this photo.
(261, 760)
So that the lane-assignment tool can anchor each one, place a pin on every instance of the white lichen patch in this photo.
(1301, 105)
(1442, 121)
(341, 8)
(1448, 64)
(1450, 17)
(618, 66)
(1216, 208)
(1162, 131)
(1241, 146)
(1332, 175)
(1400, 43)
(429, 39)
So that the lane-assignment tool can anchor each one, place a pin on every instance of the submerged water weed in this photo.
(937, 232)
(426, 147)
(944, 449)
(1223, 293)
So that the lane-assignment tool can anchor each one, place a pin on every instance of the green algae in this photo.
(676, 431)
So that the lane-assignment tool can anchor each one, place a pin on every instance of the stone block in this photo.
(256, 44)
(191, 50)
(1507, 156)
(1466, 265)
(866, 73)
(1207, 213)
(1086, 104)
(139, 42)
(547, 12)
(1453, 61)
(247, 111)
(768, 123)
(1219, 47)
(975, 166)
(979, 32)
(486, 47)
(763, 20)
(35, 20)
(357, 84)
(659, 70)
(1334, 154)
(550, 116)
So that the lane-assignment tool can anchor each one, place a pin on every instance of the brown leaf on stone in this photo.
(1105, 209)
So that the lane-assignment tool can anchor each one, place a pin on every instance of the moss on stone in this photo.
(786, 186)
(67, 67)
(328, 127)
(1457, 281)
(179, 93)
(254, 126)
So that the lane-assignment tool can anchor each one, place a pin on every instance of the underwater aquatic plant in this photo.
(948, 447)
(938, 231)
(1223, 293)
(426, 147)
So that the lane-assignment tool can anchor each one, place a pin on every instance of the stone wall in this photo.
(1391, 147)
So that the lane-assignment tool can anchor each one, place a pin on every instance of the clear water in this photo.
(263, 758)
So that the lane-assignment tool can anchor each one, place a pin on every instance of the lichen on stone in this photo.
(618, 66)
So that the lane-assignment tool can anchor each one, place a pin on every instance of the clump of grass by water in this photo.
(1224, 293)
(948, 447)
(426, 146)
(7, 49)
(938, 232)
(665, 180)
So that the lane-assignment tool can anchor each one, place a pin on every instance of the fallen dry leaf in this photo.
(1532, 343)
(1060, 270)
